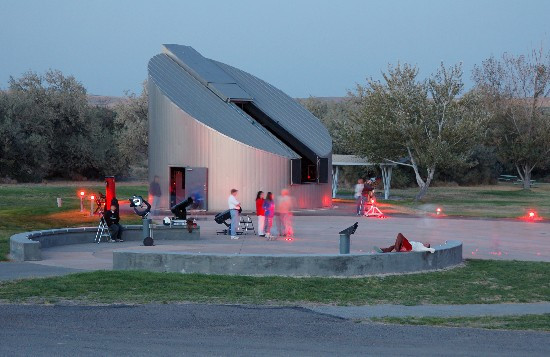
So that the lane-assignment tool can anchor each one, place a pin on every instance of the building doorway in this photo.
(189, 182)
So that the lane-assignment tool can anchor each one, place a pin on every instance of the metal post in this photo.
(91, 206)
(334, 181)
(146, 228)
(344, 243)
(81, 204)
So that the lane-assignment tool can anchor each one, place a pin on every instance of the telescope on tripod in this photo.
(142, 208)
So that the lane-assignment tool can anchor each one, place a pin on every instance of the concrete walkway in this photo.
(362, 312)
(25, 270)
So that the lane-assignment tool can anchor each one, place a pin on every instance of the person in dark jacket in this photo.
(112, 218)
(154, 195)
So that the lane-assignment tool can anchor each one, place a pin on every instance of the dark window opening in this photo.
(307, 169)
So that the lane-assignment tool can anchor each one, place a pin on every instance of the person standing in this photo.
(368, 190)
(234, 209)
(359, 195)
(154, 194)
(284, 209)
(260, 212)
(269, 211)
(112, 218)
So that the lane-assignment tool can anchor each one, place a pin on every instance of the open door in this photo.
(177, 185)
(196, 183)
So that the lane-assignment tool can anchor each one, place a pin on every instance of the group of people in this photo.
(267, 208)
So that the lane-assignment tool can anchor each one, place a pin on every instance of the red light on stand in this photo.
(92, 198)
(531, 214)
(82, 193)
(438, 210)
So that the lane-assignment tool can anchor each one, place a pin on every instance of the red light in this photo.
(82, 193)
(92, 197)
(532, 214)
(372, 200)
(438, 210)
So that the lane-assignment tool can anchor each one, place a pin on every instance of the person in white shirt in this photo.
(234, 209)
(359, 195)
(402, 244)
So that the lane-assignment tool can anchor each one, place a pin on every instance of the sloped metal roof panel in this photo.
(207, 72)
(285, 110)
(230, 92)
(194, 63)
(193, 97)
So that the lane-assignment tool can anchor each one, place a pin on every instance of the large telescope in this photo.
(138, 201)
(180, 210)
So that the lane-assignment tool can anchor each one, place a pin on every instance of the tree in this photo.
(23, 146)
(422, 124)
(47, 129)
(335, 117)
(132, 127)
(514, 89)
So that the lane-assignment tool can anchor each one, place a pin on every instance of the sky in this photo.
(304, 47)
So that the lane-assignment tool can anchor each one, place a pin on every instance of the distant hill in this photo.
(111, 101)
(327, 99)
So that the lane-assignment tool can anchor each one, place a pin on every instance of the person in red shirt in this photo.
(402, 244)
(260, 212)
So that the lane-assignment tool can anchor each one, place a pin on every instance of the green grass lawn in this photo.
(33, 207)
(514, 322)
(495, 201)
(479, 281)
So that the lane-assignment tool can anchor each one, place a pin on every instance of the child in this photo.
(269, 207)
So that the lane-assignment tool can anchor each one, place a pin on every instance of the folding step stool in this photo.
(102, 231)
(246, 225)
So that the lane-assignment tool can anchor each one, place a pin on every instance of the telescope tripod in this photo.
(373, 210)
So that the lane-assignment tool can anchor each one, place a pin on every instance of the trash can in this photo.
(345, 238)
(344, 243)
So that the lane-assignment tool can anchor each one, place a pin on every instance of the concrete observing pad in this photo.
(317, 235)
(446, 255)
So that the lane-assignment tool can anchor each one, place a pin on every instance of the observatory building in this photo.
(213, 127)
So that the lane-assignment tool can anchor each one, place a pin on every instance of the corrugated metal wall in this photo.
(177, 139)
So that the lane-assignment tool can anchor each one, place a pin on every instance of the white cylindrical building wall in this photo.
(178, 140)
